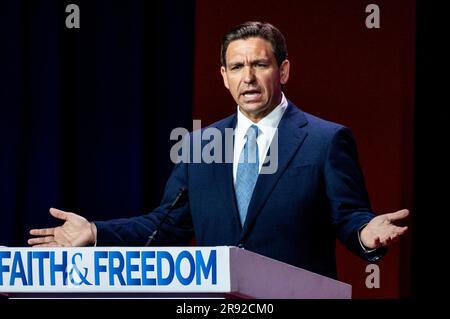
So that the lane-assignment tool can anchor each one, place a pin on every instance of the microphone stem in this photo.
(181, 193)
(150, 238)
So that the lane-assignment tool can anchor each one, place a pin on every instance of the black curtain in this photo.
(86, 113)
(431, 159)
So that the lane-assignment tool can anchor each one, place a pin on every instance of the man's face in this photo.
(253, 76)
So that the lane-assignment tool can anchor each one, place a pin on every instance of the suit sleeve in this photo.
(177, 228)
(347, 194)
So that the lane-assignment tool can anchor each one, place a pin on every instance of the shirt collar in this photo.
(269, 122)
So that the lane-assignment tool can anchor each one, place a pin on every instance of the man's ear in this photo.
(284, 71)
(224, 76)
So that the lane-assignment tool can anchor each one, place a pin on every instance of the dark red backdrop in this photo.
(343, 72)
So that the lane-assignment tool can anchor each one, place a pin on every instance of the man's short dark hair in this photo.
(253, 29)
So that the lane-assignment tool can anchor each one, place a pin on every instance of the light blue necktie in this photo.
(247, 172)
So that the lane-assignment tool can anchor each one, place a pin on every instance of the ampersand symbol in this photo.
(82, 277)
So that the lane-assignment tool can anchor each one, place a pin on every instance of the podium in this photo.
(158, 272)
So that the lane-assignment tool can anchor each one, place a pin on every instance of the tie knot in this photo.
(252, 133)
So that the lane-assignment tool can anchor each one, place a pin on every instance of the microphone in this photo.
(180, 199)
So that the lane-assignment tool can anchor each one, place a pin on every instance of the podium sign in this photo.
(157, 271)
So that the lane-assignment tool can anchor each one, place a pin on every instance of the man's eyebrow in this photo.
(262, 60)
(256, 61)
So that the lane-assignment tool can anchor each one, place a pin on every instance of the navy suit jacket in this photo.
(295, 214)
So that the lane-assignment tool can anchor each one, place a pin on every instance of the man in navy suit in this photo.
(292, 213)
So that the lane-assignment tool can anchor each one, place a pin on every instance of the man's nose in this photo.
(249, 74)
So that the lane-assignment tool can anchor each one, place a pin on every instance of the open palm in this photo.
(381, 230)
(76, 231)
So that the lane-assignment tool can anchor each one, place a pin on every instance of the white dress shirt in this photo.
(266, 130)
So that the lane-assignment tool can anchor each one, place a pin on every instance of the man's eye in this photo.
(261, 65)
(236, 67)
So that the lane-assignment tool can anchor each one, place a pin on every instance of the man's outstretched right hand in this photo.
(76, 231)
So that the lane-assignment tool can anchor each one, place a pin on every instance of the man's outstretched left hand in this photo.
(381, 230)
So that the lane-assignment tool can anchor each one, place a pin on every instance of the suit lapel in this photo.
(223, 173)
(290, 137)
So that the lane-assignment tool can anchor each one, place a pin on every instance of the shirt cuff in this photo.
(366, 250)
(95, 242)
